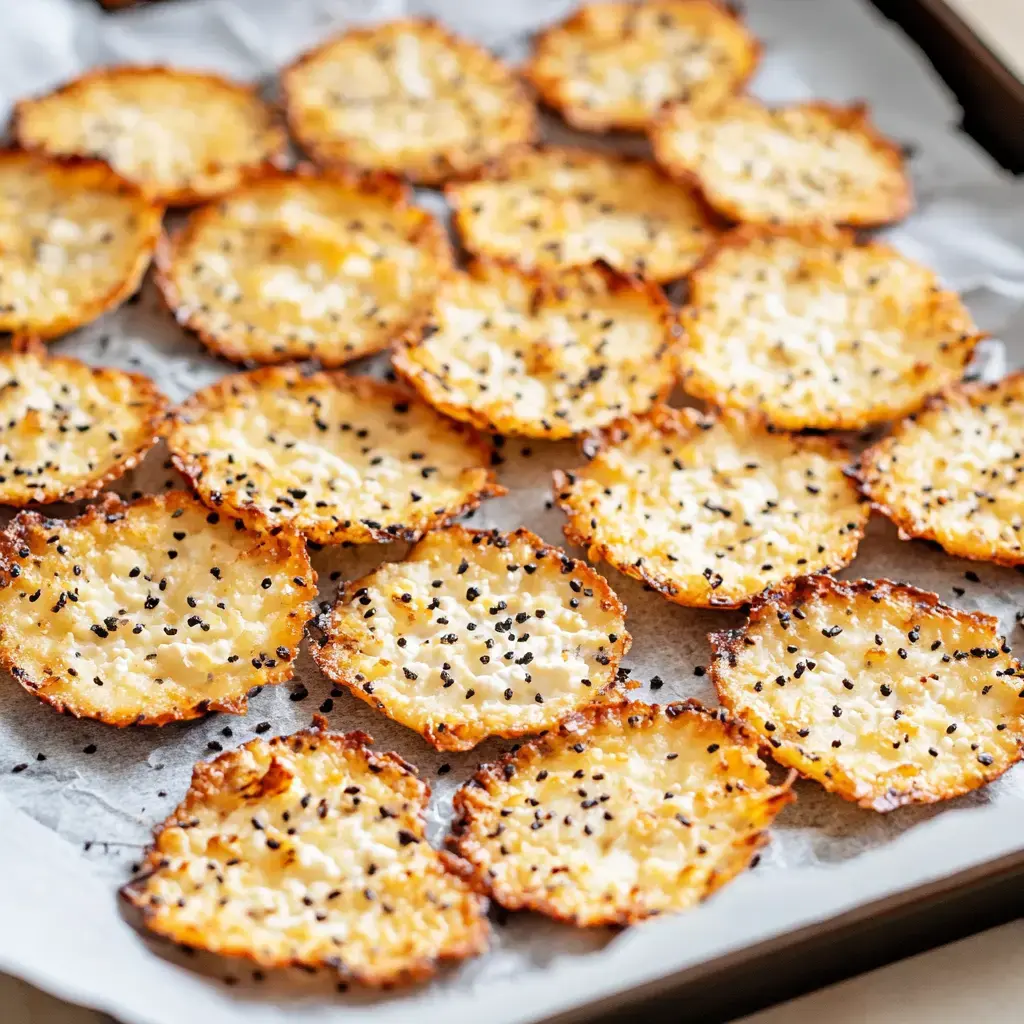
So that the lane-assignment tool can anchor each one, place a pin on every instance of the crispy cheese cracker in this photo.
(334, 457)
(476, 634)
(406, 97)
(149, 612)
(552, 207)
(626, 811)
(182, 136)
(710, 511)
(811, 328)
(309, 850)
(613, 65)
(799, 164)
(875, 689)
(304, 265)
(542, 355)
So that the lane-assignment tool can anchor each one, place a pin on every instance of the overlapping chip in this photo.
(334, 457)
(542, 355)
(711, 511)
(182, 136)
(149, 612)
(876, 689)
(406, 97)
(805, 163)
(613, 65)
(304, 265)
(626, 811)
(309, 850)
(954, 473)
(75, 241)
(813, 329)
(476, 634)
(552, 207)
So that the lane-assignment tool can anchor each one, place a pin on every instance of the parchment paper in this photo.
(72, 825)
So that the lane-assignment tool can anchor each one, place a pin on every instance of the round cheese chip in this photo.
(542, 355)
(954, 473)
(149, 612)
(406, 97)
(813, 329)
(711, 511)
(613, 65)
(304, 265)
(552, 207)
(476, 634)
(75, 241)
(875, 689)
(800, 164)
(626, 811)
(334, 457)
(68, 429)
(309, 850)
(181, 135)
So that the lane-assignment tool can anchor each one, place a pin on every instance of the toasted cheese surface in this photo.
(542, 355)
(309, 850)
(149, 612)
(406, 97)
(875, 689)
(304, 265)
(812, 329)
(626, 811)
(711, 511)
(476, 634)
(613, 65)
(556, 207)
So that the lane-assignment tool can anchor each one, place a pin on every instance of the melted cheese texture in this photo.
(558, 207)
(474, 635)
(304, 266)
(67, 429)
(811, 329)
(875, 689)
(150, 612)
(180, 135)
(628, 810)
(709, 512)
(613, 65)
(542, 356)
(309, 850)
(955, 472)
(334, 457)
(406, 97)
(75, 240)
(802, 164)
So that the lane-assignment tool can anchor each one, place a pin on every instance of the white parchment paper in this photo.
(74, 821)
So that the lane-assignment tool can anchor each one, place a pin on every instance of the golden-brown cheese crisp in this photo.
(711, 511)
(813, 329)
(149, 612)
(68, 429)
(309, 850)
(626, 811)
(614, 65)
(406, 97)
(542, 355)
(304, 265)
(799, 164)
(552, 207)
(954, 473)
(875, 689)
(476, 634)
(334, 457)
(75, 241)
(182, 136)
